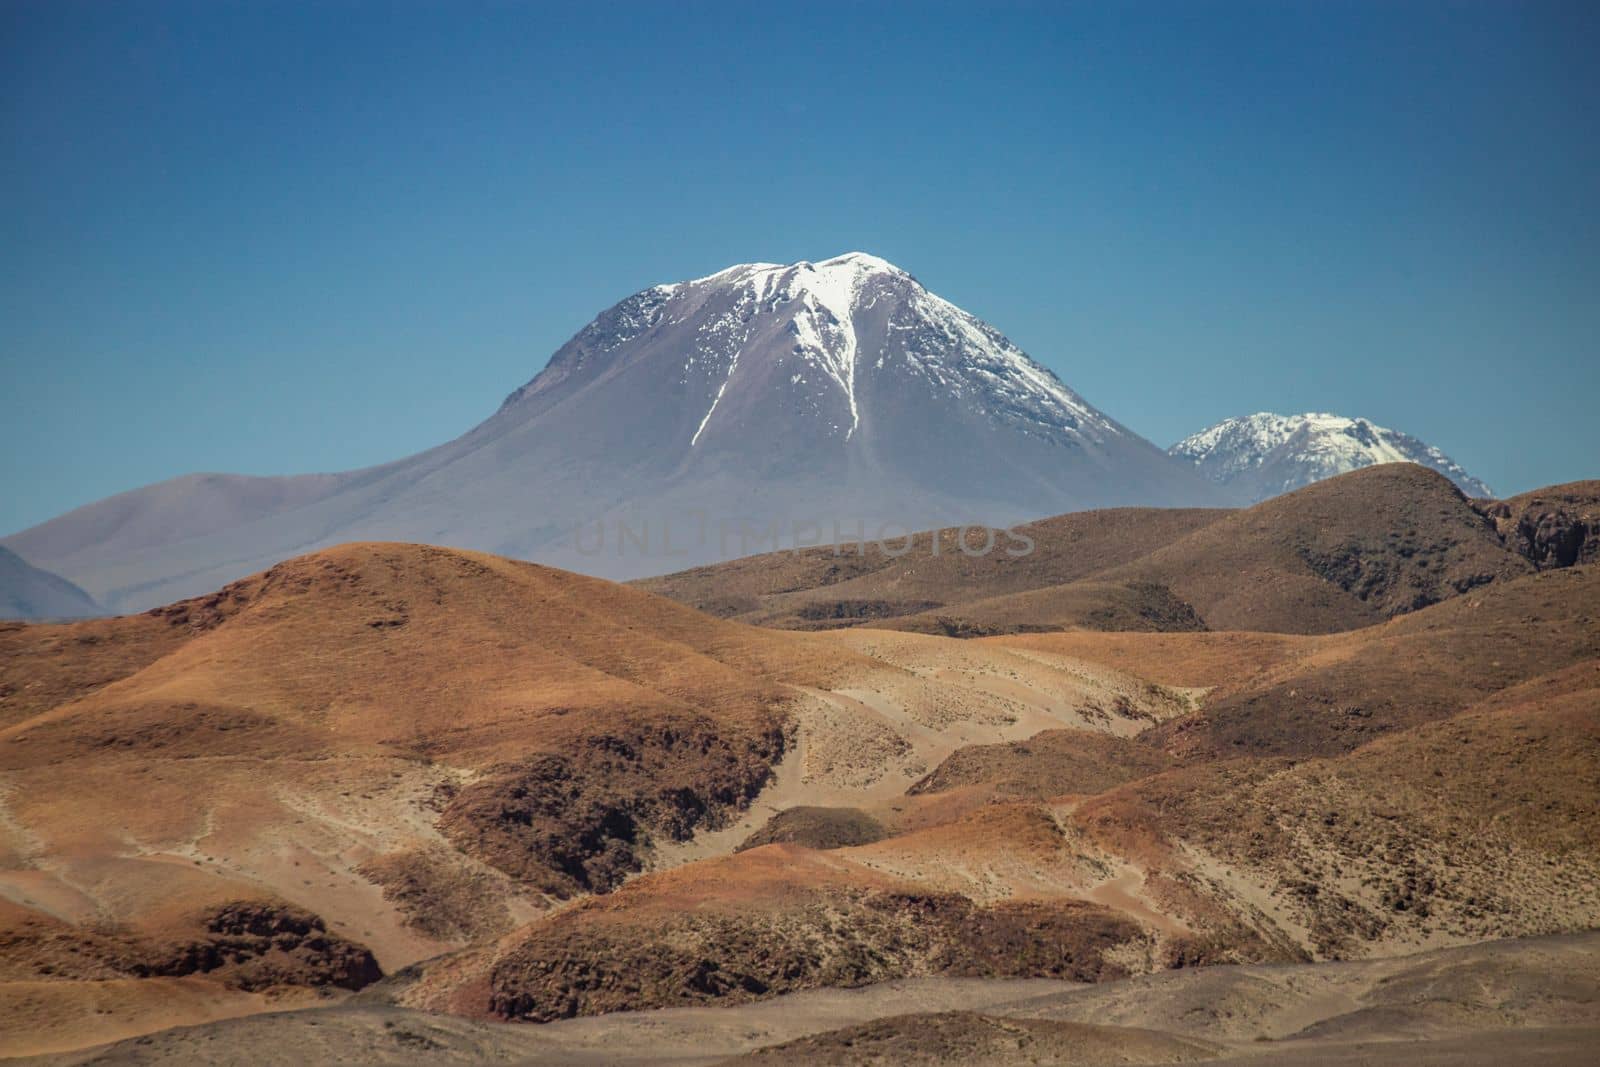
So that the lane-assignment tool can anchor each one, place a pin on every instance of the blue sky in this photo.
(275, 238)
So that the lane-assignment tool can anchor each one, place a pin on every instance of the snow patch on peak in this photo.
(826, 321)
(850, 264)
(988, 354)
(823, 297)
(863, 261)
(733, 275)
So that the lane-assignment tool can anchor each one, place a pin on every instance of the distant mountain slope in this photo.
(26, 592)
(1265, 454)
(171, 512)
(759, 406)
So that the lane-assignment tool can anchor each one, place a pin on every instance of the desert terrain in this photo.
(1311, 781)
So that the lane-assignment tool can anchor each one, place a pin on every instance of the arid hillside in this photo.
(854, 583)
(1456, 809)
(410, 749)
(491, 792)
(412, 746)
(1337, 555)
(1480, 1005)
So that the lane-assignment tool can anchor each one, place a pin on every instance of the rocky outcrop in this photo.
(580, 821)
(245, 944)
(254, 945)
(586, 963)
(1554, 527)
(817, 827)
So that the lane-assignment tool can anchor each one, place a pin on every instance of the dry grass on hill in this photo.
(1337, 555)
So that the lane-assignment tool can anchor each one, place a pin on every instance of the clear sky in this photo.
(277, 238)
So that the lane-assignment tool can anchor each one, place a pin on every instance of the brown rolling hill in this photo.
(1482, 825)
(817, 827)
(1346, 689)
(854, 583)
(438, 658)
(1045, 765)
(1347, 552)
(1292, 695)
(1337, 555)
(1296, 695)
(772, 920)
(391, 746)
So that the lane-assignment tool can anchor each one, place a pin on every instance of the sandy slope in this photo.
(1483, 1004)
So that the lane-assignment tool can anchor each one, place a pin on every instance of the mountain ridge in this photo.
(1347, 551)
(768, 396)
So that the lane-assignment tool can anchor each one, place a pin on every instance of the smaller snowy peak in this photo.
(1267, 454)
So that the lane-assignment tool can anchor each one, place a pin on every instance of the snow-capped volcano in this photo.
(948, 346)
(834, 396)
(1266, 454)
(812, 334)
